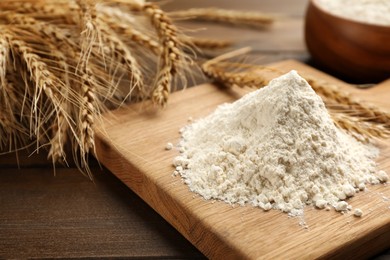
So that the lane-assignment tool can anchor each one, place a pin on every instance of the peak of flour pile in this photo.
(276, 147)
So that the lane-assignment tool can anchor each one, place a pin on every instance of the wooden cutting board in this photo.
(131, 143)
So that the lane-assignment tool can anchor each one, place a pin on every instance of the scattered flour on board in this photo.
(366, 11)
(275, 148)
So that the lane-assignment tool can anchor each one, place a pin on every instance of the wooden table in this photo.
(66, 215)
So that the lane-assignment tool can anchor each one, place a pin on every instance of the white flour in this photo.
(276, 147)
(367, 11)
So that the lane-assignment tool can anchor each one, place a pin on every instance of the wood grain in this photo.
(69, 216)
(131, 144)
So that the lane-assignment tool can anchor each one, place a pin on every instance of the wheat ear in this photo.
(99, 40)
(204, 43)
(171, 54)
(120, 53)
(135, 36)
(58, 40)
(36, 7)
(58, 139)
(87, 115)
(216, 72)
(354, 125)
(61, 123)
(50, 36)
(4, 55)
(88, 111)
(238, 18)
(237, 79)
(8, 133)
(10, 126)
(44, 82)
(361, 110)
(89, 33)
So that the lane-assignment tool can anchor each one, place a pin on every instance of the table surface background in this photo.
(66, 215)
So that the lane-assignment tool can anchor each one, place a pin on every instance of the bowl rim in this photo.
(346, 19)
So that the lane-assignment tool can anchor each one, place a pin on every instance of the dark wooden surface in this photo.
(66, 215)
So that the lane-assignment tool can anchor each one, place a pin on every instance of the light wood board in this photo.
(131, 143)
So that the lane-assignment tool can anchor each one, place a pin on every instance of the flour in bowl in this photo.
(366, 11)
(275, 148)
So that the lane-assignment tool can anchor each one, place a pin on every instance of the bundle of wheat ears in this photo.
(65, 62)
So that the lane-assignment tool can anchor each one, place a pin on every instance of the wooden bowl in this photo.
(354, 50)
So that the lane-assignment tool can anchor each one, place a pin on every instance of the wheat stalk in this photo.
(231, 17)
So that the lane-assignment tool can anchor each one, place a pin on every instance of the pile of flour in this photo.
(366, 11)
(278, 148)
